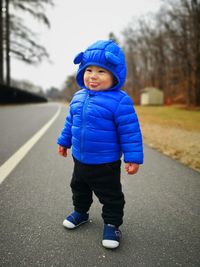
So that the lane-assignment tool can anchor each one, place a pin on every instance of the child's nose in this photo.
(94, 75)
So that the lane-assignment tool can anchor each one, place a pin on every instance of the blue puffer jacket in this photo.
(102, 125)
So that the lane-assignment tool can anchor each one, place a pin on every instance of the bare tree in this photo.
(195, 17)
(113, 37)
(17, 39)
(7, 41)
(164, 51)
(30, 51)
(1, 41)
(183, 28)
(70, 87)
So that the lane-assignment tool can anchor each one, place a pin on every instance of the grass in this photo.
(170, 116)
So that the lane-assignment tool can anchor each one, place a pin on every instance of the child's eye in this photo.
(88, 70)
(101, 71)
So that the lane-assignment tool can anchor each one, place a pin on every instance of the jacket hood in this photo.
(105, 54)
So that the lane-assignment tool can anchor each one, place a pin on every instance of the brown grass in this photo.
(175, 116)
(174, 131)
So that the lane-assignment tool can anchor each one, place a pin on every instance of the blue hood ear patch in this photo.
(111, 58)
(78, 58)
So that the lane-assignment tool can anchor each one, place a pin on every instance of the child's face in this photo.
(97, 78)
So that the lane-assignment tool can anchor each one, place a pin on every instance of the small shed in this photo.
(152, 96)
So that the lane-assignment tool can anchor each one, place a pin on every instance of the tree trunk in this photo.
(7, 44)
(196, 23)
(1, 42)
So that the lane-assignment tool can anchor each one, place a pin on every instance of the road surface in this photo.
(162, 213)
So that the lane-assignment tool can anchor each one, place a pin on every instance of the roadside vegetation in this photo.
(174, 131)
(171, 116)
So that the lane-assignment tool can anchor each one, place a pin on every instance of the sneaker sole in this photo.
(111, 244)
(67, 224)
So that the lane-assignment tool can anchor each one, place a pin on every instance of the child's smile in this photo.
(97, 78)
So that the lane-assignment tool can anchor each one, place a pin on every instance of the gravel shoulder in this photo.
(177, 143)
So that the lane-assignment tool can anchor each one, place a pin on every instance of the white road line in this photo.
(14, 160)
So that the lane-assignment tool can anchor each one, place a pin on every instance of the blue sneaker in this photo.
(75, 219)
(111, 236)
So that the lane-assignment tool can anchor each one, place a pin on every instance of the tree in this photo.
(17, 39)
(1, 41)
(183, 28)
(195, 10)
(112, 36)
(70, 87)
(7, 41)
(164, 51)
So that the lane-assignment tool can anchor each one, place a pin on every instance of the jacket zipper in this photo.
(84, 125)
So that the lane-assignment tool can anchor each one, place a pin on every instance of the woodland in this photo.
(162, 49)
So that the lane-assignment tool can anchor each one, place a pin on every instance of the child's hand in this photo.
(62, 151)
(132, 168)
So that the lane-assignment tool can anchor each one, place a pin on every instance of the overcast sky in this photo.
(75, 24)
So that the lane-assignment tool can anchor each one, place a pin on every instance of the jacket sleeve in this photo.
(65, 136)
(129, 132)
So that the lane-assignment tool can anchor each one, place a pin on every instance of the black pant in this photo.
(104, 181)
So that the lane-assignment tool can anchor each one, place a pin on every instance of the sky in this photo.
(76, 24)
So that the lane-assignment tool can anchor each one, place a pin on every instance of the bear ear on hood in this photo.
(78, 58)
(112, 58)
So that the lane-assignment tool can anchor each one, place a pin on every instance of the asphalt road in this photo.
(19, 123)
(162, 213)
